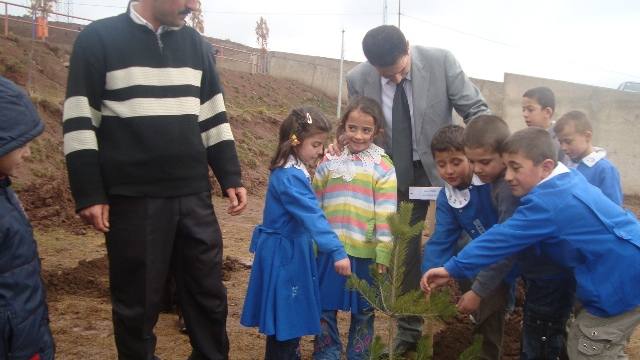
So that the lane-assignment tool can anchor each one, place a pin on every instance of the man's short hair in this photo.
(384, 45)
(447, 138)
(577, 118)
(486, 132)
(534, 143)
(543, 96)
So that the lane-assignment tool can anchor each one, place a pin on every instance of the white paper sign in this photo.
(424, 192)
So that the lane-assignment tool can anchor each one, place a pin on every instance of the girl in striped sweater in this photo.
(357, 190)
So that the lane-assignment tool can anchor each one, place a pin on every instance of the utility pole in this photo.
(399, 13)
(385, 12)
(338, 111)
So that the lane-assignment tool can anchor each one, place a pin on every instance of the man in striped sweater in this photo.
(143, 119)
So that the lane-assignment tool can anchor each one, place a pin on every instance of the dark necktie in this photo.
(401, 139)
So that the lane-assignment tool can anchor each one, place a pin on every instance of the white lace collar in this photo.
(343, 165)
(559, 169)
(460, 198)
(593, 158)
(293, 161)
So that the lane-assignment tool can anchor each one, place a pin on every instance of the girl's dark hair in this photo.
(365, 105)
(302, 122)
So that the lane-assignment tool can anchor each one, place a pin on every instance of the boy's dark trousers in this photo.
(489, 319)
(147, 238)
(282, 350)
(548, 304)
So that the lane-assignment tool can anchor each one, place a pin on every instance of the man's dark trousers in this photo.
(148, 238)
(410, 327)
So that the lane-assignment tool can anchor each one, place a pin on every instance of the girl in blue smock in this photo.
(283, 298)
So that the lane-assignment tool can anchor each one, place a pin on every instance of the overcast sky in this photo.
(585, 41)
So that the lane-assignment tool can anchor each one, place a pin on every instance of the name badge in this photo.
(424, 192)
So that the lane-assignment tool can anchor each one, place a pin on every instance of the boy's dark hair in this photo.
(367, 106)
(384, 45)
(543, 96)
(534, 143)
(447, 138)
(486, 132)
(302, 122)
(579, 120)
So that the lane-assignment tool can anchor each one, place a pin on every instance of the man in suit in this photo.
(417, 88)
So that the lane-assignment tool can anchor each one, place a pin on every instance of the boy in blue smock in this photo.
(576, 225)
(575, 134)
(463, 208)
(549, 288)
(24, 320)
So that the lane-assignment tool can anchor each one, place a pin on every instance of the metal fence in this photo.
(228, 56)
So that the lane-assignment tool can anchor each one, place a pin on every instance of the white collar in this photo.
(593, 158)
(141, 21)
(559, 169)
(460, 198)
(342, 165)
(292, 161)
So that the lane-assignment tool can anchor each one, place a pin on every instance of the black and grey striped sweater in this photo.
(144, 114)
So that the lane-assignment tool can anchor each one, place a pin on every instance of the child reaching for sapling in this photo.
(549, 288)
(283, 296)
(578, 227)
(464, 208)
(357, 189)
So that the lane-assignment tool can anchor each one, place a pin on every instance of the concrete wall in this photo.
(615, 116)
(316, 72)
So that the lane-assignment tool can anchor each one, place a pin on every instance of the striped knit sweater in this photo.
(144, 114)
(357, 193)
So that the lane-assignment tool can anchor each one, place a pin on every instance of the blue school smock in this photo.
(575, 224)
(474, 218)
(283, 295)
(601, 173)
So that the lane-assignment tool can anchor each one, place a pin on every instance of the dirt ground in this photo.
(75, 270)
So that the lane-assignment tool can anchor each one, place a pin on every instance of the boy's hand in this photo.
(96, 215)
(343, 267)
(469, 302)
(382, 269)
(433, 279)
(237, 200)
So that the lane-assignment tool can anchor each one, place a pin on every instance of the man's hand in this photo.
(343, 267)
(237, 200)
(469, 302)
(96, 215)
(433, 279)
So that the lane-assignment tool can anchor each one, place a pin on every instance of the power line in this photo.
(258, 13)
(512, 46)
(458, 31)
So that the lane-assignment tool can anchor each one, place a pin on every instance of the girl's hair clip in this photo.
(293, 139)
(309, 119)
